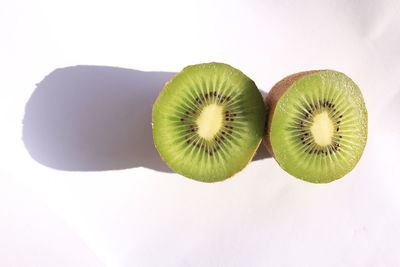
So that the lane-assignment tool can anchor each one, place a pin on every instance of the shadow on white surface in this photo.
(95, 118)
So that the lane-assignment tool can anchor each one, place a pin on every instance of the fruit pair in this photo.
(209, 120)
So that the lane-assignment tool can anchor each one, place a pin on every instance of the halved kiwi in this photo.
(208, 121)
(317, 125)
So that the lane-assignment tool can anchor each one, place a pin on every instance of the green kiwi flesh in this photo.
(208, 121)
(317, 125)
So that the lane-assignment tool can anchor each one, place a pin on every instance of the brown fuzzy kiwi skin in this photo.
(272, 98)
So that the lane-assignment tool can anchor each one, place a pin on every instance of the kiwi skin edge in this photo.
(272, 98)
(208, 181)
(211, 182)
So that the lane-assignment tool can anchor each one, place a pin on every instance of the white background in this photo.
(64, 203)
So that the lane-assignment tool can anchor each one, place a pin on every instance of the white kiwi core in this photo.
(210, 121)
(322, 129)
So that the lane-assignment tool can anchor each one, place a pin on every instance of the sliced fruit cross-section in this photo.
(208, 121)
(317, 125)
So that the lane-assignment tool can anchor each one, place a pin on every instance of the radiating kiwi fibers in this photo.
(317, 125)
(208, 121)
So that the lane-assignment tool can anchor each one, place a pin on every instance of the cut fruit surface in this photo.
(317, 127)
(208, 121)
(322, 129)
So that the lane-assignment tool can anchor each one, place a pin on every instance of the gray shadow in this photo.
(95, 118)
(263, 93)
(262, 153)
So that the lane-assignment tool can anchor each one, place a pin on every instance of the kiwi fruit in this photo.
(317, 125)
(208, 121)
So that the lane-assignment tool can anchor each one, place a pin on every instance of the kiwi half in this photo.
(317, 125)
(208, 121)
